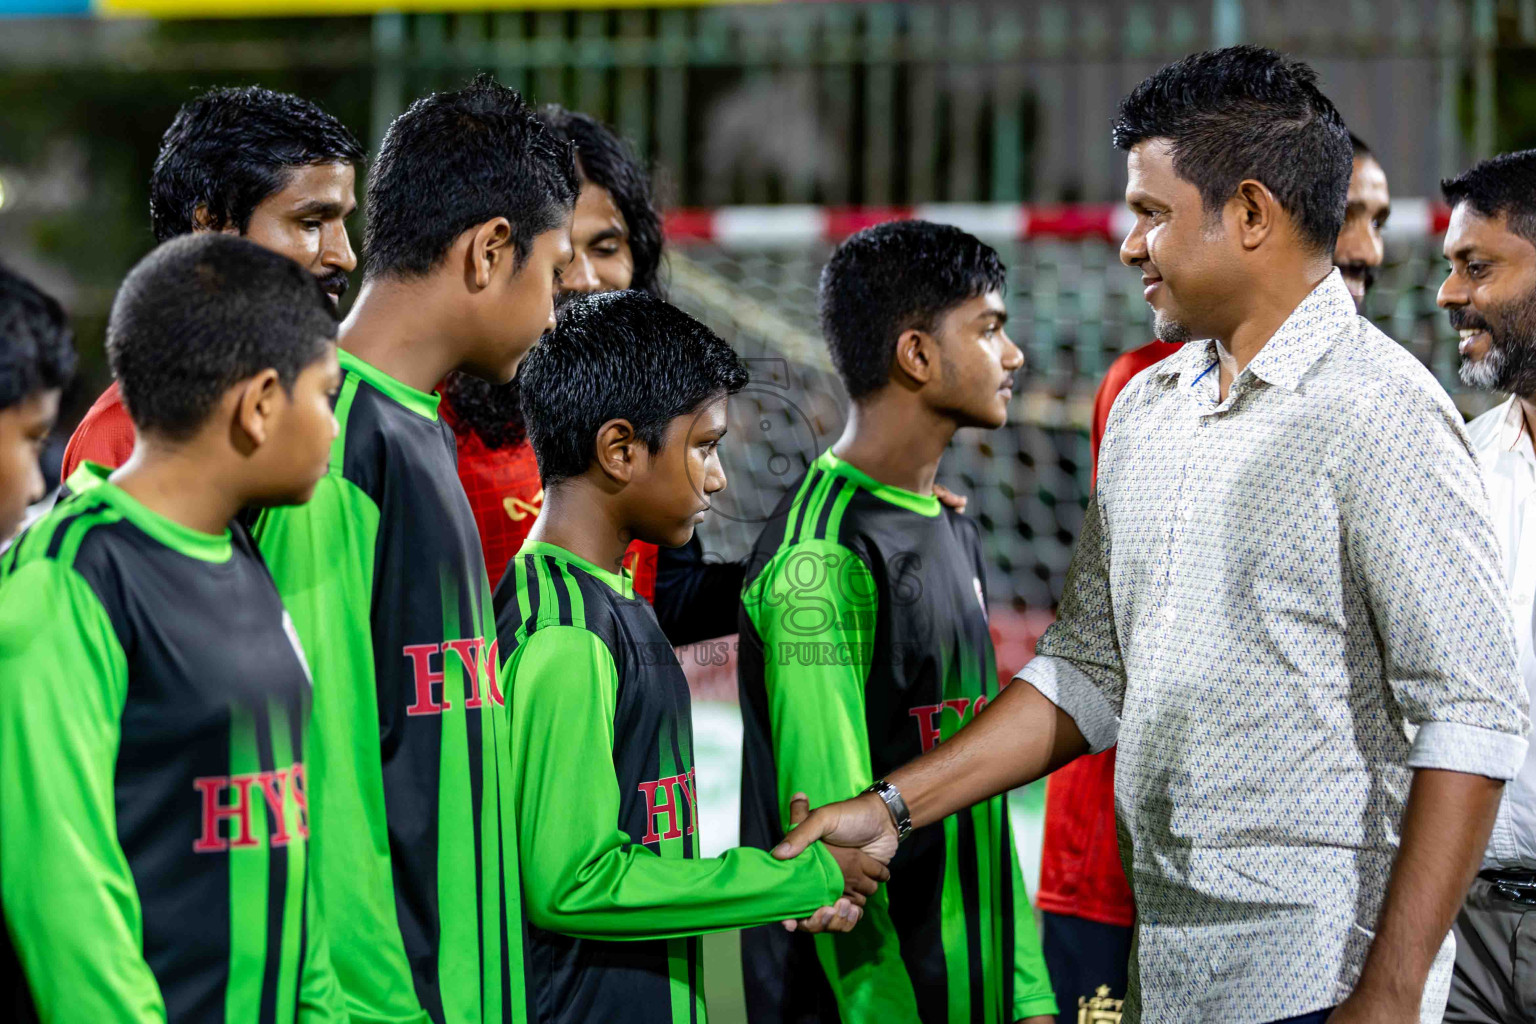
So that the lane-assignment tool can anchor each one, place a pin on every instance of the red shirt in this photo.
(104, 436)
(1080, 870)
(505, 494)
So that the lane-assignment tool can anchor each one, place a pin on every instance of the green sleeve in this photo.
(1033, 994)
(581, 874)
(814, 609)
(71, 907)
(321, 556)
(320, 998)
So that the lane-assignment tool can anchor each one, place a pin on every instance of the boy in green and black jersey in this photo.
(469, 205)
(626, 406)
(865, 642)
(153, 697)
(37, 358)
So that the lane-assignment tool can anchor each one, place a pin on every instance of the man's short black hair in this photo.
(457, 159)
(1358, 149)
(618, 355)
(896, 277)
(606, 160)
(37, 348)
(1248, 112)
(229, 149)
(1505, 184)
(203, 312)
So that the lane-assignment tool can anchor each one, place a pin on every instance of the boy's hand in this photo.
(950, 498)
(862, 875)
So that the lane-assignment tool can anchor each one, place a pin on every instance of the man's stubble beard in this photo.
(1168, 329)
(1510, 365)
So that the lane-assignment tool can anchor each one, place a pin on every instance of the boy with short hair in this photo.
(865, 642)
(469, 204)
(626, 406)
(153, 698)
(37, 357)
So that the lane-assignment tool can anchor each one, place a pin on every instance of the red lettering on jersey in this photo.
(687, 782)
(298, 785)
(661, 798)
(211, 841)
(929, 726)
(272, 785)
(469, 653)
(421, 665)
(492, 663)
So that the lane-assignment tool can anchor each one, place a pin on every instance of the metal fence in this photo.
(1073, 308)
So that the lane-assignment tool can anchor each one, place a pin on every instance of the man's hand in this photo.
(949, 498)
(861, 875)
(862, 823)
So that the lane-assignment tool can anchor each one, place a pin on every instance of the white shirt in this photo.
(1509, 468)
(1279, 605)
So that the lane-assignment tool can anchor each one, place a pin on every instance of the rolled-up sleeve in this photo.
(1077, 663)
(1420, 541)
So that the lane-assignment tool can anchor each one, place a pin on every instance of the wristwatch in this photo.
(900, 816)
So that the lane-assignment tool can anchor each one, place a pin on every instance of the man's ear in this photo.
(202, 220)
(917, 356)
(257, 401)
(617, 450)
(490, 246)
(1257, 212)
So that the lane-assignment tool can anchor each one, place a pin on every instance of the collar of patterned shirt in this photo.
(1280, 604)
(1509, 469)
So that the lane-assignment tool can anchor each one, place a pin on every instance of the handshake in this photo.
(860, 835)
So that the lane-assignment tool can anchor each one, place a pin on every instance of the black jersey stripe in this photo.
(62, 528)
(561, 585)
(277, 881)
(802, 502)
(970, 899)
(1003, 921)
(528, 578)
(838, 486)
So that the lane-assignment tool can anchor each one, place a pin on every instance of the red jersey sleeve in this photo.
(105, 436)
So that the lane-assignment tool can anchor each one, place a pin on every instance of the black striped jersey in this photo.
(383, 574)
(602, 779)
(864, 642)
(153, 795)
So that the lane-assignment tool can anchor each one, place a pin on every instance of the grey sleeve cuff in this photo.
(1454, 747)
(1070, 689)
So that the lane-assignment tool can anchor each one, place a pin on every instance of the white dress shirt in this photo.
(1279, 605)
(1509, 468)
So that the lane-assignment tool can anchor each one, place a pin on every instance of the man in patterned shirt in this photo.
(1286, 602)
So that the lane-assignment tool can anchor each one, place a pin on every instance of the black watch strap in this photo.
(891, 797)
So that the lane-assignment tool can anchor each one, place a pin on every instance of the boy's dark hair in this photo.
(37, 348)
(1505, 184)
(892, 278)
(457, 159)
(229, 149)
(203, 312)
(493, 411)
(606, 160)
(1358, 148)
(620, 355)
(1248, 112)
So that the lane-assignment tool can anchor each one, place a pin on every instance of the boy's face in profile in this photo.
(301, 429)
(23, 429)
(524, 307)
(978, 362)
(675, 485)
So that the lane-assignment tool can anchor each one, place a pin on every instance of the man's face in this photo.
(24, 428)
(302, 429)
(524, 306)
(1182, 251)
(674, 487)
(601, 259)
(1491, 295)
(305, 220)
(977, 362)
(1359, 250)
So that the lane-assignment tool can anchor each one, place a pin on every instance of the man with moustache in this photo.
(1085, 904)
(1490, 293)
(271, 167)
(1285, 605)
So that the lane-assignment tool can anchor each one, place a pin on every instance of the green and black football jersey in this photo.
(602, 778)
(864, 643)
(383, 575)
(153, 703)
